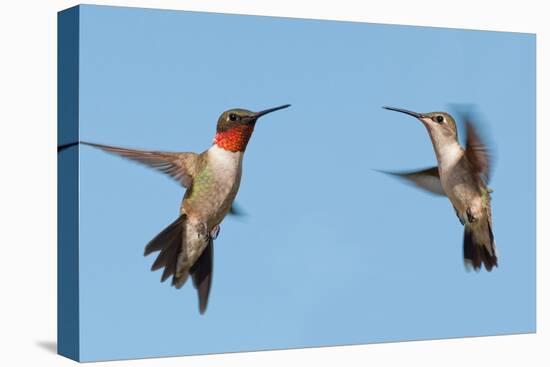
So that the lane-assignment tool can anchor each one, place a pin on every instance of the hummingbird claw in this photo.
(215, 232)
(471, 218)
(203, 232)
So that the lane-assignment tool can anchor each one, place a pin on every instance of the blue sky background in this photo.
(331, 252)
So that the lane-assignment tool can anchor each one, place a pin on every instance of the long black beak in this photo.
(269, 110)
(407, 112)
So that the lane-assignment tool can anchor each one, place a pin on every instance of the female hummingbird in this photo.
(461, 175)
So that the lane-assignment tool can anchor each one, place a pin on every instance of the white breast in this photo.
(225, 164)
(449, 154)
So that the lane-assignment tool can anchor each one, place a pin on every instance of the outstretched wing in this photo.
(62, 147)
(426, 179)
(477, 153)
(179, 166)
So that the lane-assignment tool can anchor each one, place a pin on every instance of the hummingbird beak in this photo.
(407, 112)
(269, 110)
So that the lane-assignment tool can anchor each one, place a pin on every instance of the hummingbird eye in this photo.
(233, 117)
(439, 119)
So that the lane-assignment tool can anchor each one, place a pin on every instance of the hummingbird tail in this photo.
(201, 272)
(169, 243)
(479, 247)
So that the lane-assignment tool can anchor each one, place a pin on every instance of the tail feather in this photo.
(164, 238)
(477, 252)
(166, 255)
(169, 242)
(168, 271)
(179, 280)
(201, 272)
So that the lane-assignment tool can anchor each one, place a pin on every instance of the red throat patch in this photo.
(234, 139)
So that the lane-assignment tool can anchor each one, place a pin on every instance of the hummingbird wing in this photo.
(426, 179)
(236, 210)
(201, 273)
(180, 166)
(62, 147)
(477, 153)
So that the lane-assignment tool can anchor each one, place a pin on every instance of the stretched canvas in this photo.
(350, 223)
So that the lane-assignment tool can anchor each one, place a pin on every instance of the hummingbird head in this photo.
(235, 127)
(440, 125)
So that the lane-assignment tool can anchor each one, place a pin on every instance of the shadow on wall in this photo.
(49, 346)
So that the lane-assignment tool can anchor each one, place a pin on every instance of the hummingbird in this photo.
(211, 180)
(462, 175)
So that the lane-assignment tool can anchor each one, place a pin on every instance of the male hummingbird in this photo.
(461, 175)
(212, 180)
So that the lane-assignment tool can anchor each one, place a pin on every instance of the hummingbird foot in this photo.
(471, 217)
(215, 232)
(204, 233)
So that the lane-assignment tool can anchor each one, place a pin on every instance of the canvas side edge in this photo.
(68, 328)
